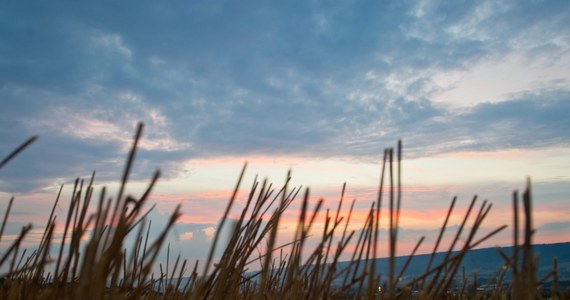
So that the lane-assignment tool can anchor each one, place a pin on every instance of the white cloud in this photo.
(98, 125)
(209, 232)
(499, 79)
(473, 27)
(113, 42)
(186, 236)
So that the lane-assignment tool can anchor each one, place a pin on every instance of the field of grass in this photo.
(105, 266)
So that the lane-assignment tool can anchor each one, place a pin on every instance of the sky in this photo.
(478, 92)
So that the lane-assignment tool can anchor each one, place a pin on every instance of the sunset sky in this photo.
(478, 91)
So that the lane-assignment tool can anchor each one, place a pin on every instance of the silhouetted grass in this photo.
(106, 267)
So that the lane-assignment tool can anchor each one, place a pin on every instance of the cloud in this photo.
(305, 79)
(555, 226)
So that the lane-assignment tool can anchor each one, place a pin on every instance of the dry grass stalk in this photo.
(104, 267)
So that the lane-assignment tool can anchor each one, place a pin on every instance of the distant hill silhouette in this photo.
(485, 262)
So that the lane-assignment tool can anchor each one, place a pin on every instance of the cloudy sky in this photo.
(479, 92)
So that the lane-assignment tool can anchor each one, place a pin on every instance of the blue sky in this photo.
(479, 92)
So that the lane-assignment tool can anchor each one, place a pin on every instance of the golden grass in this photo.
(105, 267)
